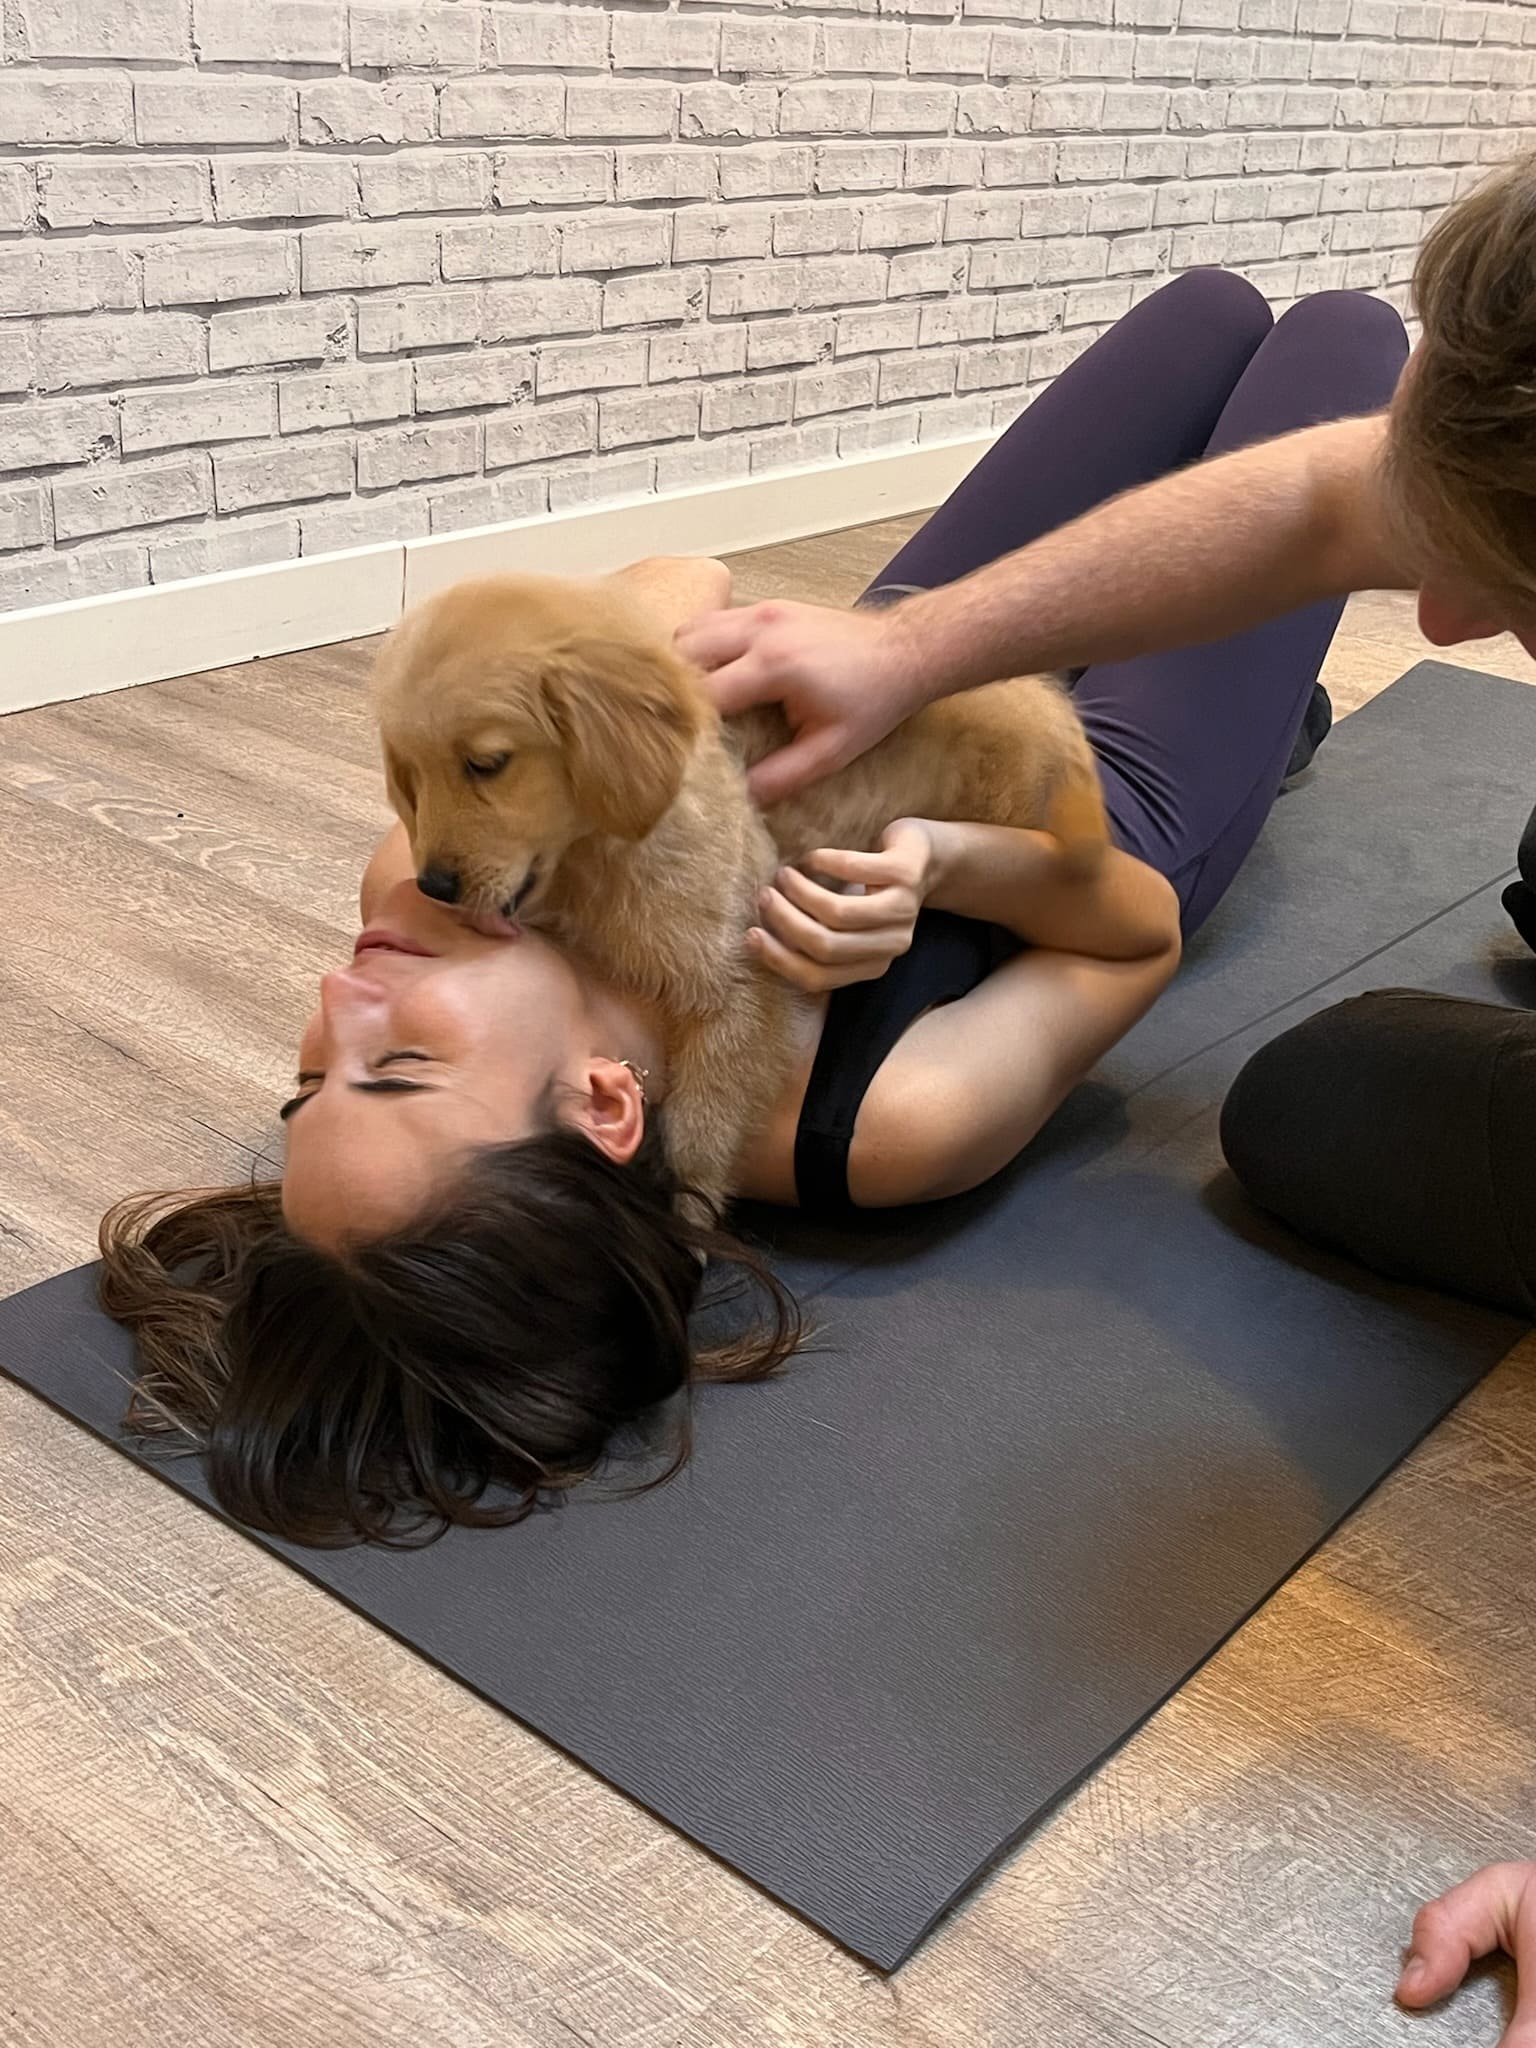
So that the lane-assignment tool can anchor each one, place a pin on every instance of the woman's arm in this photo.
(820, 939)
(972, 1082)
(1126, 911)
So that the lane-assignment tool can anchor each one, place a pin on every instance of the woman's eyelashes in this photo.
(307, 1083)
(385, 1059)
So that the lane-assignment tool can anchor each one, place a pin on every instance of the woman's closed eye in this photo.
(379, 1083)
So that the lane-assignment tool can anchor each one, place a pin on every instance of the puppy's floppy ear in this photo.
(627, 717)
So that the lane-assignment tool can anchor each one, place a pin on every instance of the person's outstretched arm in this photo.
(1191, 558)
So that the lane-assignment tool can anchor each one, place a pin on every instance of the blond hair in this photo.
(1461, 458)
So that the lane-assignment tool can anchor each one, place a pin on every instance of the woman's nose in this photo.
(343, 996)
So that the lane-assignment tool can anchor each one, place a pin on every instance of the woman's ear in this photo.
(627, 717)
(612, 1109)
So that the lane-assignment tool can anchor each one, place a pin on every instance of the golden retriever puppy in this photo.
(554, 760)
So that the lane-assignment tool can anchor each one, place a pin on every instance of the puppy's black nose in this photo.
(442, 884)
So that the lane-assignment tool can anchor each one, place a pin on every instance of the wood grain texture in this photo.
(235, 1815)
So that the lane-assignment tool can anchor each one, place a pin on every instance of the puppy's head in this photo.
(519, 715)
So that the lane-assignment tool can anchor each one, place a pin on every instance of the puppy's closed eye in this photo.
(484, 767)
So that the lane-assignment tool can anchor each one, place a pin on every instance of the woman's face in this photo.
(434, 1039)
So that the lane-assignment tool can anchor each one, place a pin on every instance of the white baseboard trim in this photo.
(92, 644)
(79, 649)
(720, 519)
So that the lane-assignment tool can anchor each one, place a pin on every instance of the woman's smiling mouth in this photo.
(373, 941)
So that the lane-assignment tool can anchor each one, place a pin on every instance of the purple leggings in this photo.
(1192, 745)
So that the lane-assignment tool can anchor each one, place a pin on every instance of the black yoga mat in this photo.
(1059, 1438)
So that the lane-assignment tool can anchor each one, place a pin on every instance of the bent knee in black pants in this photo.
(1400, 1127)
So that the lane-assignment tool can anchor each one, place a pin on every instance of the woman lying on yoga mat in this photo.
(472, 1276)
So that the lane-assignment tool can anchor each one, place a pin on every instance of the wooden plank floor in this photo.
(234, 1815)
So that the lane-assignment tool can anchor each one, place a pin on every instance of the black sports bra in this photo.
(948, 957)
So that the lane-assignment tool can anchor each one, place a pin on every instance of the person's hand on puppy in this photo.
(819, 939)
(1496, 1909)
(843, 679)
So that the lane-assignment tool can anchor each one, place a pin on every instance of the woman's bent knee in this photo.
(1218, 299)
(1347, 320)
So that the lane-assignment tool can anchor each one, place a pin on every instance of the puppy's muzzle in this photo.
(446, 885)
(441, 884)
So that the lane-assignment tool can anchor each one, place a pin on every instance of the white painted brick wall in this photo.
(283, 276)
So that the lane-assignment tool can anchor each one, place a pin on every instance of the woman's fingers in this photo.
(865, 913)
(819, 938)
(1495, 1909)
(806, 973)
(808, 935)
(871, 870)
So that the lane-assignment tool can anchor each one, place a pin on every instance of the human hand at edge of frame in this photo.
(844, 679)
(818, 939)
(1495, 1909)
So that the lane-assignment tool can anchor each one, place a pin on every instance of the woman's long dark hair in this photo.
(456, 1371)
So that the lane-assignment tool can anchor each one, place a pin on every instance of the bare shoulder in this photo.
(676, 588)
(910, 1129)
(903, 1145)
(903, 1137)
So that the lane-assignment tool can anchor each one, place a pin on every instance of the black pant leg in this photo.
(1400, 1127)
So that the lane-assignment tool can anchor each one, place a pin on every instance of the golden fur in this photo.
(553, 758)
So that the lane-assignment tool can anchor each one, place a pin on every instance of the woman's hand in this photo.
(844, 680)
(818, 939)
(1494, 1909)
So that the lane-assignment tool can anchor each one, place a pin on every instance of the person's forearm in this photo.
(1189, 559)
(1017, 879)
